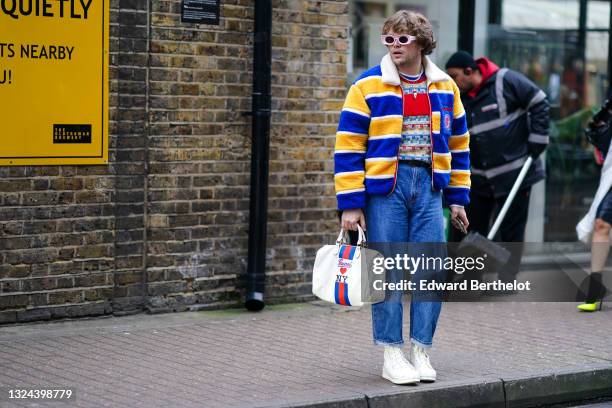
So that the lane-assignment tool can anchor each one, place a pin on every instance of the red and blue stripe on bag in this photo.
(347, 252)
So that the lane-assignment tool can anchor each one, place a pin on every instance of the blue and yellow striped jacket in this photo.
(369, 136)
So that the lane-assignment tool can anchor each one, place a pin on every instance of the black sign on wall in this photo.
(71, 134)
(200, 11)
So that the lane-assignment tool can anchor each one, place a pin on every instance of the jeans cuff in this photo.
(420, 343)
(389, 343)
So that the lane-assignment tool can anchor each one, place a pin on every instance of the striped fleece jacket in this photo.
(369, 136)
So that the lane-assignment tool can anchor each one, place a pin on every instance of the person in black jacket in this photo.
(597, 224)
(508, 120)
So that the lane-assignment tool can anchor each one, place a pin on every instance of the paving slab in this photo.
(310, 355)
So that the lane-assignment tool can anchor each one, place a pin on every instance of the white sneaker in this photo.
(397, 369)
(420, 361)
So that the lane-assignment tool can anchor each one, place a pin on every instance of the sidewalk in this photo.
(307, 355)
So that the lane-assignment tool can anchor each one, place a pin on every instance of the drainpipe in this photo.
(261, 108)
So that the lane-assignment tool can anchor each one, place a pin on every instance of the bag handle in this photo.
(361, 241)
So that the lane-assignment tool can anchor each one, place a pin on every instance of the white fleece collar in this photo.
(390, 75)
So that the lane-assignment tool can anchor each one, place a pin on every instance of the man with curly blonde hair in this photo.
(401, 150)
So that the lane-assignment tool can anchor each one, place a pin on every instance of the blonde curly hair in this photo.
(412, 23)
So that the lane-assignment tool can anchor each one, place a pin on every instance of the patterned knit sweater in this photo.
(416, 140)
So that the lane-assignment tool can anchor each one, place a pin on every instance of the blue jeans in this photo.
(412, 213)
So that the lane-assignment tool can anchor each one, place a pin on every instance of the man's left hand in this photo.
(459, 212)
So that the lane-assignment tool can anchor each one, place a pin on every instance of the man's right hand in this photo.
(350, 219)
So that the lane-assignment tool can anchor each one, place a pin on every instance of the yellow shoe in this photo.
(589, 307)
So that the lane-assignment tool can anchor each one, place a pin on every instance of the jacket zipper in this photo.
(431, 137)
(397, 154)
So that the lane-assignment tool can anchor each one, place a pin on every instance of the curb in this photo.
(480, 393)
(356, 401)
(559, 387)
(545, 388)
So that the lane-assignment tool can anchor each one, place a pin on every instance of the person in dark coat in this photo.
(508, 119)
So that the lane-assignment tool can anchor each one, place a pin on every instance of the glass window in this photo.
(368, 17)
(544, 40)
(538, 14)
(598, 14)
(596, 67)
(365, 16)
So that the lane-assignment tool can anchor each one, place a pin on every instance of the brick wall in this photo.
(164, 226)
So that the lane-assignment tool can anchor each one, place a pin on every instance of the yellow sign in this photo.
(54, 82)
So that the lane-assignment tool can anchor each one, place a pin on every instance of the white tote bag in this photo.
(342, 273)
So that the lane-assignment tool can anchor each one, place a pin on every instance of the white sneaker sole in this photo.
(400, 381)
(428, 379)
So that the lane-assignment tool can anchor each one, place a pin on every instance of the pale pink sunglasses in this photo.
(397, 39)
